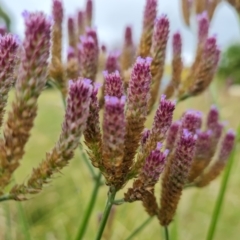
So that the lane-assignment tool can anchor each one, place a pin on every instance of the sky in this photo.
(112, 16)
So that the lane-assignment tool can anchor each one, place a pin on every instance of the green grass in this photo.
(56, 212)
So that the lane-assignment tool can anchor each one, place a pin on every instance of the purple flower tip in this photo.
(227, 145)
(192, 120)
(203, 15)
(166, 152)
(70, 50)
(186, 133)
(211, 41)
(25, 14)
(214, 108)
(114, 100)
(17, 38)
(87, 81)
(159, 145)
(97, 85)
(231, 133)
(111, 99)
(145, 136)
(177, 43)
(141, 60)
(128, 35)
(87, 39)
(70, 82)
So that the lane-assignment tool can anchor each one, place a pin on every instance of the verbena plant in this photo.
(120, 147)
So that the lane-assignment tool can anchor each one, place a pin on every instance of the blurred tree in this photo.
(5, 17)
(229, 67)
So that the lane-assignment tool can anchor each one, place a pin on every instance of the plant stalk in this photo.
(111, 196)
(166, 233)
(8, 233)
(119, 202)
(5, 197)
(88, 163)
(24, 221)
(140, 228)
(90, 207)
(220, 198)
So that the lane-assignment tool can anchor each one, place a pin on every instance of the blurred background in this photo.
(56, 212)
(111, 18)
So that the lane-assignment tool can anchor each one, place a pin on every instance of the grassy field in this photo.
(55, 214)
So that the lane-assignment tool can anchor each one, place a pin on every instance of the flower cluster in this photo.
(119, 146)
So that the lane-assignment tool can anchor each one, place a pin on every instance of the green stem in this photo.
(220, 198)
(140, 228)
(24, 222)
(5, 197)
(111, 196)
(119, 202)
(166, 233)
(89, 210)
(174, 231)
(88, 163)
(8, 234)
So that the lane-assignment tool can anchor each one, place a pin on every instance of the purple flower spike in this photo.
(114, 126)
(70, 53)
(139, 87)
(78, 103)
(36, 44)
(213, 117)
(8, 50)
(112, 62)
(150, 13)
(227, 146)
(80, 22)
(192, 121)
(8, 57)
(154, 165)
(92, 131)
(163, 117)
(184, 154)
(76, 114)
(145, 135)
(88, 12)
(113, 84)
(3, 30)
(161, 31)
(104, 48)
(176, 176)
(210, 52)
(91, 32)
(217, 130)
(214, 126)
(71, 32)
(177, 44)
(203, 146)
(128, 36)
(172, 135)
(80, 18)
(88, 57)
(57, 11)
(203, 27)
